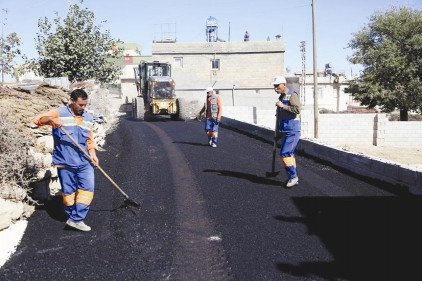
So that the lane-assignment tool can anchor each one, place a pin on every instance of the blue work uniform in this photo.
(75, 172)
(289, 126)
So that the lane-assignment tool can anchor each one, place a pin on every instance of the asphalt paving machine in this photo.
(156, 92)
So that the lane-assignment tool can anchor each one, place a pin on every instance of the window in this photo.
(215, 64)
(178, 62)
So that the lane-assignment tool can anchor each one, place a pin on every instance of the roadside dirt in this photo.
(407, 157)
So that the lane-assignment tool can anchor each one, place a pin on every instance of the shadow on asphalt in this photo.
(123, 206)
(192, 143)
(246, 176)
(54, 208)
(369, 238)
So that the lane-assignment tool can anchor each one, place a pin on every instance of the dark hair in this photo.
(78, 93)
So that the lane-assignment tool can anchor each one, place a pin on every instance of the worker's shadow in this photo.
(246, 176)
(192, 143)
(54, 208)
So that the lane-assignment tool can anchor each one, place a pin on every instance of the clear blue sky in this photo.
(137, 21)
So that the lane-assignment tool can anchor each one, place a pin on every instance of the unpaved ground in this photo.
(407, 157)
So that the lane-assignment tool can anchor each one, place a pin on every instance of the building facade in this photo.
(222, 65)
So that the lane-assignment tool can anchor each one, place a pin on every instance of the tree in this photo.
(8, 52)
(76, 48)
(390, 50)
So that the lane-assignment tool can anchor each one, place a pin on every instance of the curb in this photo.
(395, 175)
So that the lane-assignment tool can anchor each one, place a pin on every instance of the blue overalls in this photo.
(75, 172)
(289, 126)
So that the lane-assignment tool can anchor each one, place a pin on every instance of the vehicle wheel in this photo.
(181, 109)
(133, 109)
(140, 109)
(174, 116)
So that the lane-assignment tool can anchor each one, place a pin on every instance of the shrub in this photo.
(17, 167)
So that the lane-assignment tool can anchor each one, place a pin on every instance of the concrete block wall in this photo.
(340, 129)
(399, 134)
(346, 128)
(264, 118)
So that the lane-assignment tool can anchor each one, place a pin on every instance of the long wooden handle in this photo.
(275, 140)
(89, 158)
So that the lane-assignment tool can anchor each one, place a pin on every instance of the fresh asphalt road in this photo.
(212, 214)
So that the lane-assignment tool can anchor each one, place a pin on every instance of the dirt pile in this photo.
(22, 105)
(20, 140)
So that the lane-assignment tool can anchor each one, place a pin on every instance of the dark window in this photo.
(215, 64)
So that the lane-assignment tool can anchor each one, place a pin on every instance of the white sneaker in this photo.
(213, 145)
(292, 182)
(80, 225)
(210, 142)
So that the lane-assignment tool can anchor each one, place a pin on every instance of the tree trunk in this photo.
(404, 116)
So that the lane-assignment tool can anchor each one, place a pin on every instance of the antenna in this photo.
(166, 32)
(229, 31)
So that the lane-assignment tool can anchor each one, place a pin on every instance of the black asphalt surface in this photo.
(212, 214)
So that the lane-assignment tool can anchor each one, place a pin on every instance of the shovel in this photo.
(274, 173)
(127, 199)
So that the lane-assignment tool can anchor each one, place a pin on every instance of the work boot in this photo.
(80, 225)
(292, 182)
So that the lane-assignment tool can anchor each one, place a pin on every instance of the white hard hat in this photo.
(209, 89)
(279, 80)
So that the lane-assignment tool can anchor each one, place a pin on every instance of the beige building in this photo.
(241, 72)
(330, 90)
(223, 65)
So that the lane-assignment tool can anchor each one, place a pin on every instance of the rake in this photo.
(127, 199)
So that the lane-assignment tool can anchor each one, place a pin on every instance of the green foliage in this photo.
(76, 48)
(9, 50)
(389, 48)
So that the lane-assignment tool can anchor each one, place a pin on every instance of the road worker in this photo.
(213, 108)
(75, 171)
(288, 110)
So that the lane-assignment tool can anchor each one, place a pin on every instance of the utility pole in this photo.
(303, 90)
(4, 11)
(229, 32)
(315, 72)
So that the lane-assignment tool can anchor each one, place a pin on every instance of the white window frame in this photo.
(178, 62)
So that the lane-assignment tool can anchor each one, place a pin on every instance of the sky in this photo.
(141, 22)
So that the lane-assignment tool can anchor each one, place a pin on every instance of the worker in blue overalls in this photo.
(288, 110)
(75, 171)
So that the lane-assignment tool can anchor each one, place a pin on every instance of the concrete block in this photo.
(356, 163)
(407, 177)
(392, 170)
